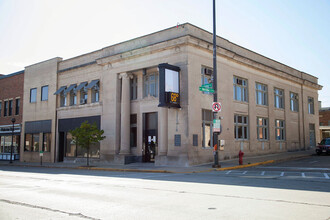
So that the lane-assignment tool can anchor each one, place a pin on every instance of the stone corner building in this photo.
(267, 107)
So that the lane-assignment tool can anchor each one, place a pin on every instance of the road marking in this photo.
(314, 161)
(282, 173)
(244, 172)
(326, 175)
(262, 173)
(228, 172)
(303, 175)
(298, 168)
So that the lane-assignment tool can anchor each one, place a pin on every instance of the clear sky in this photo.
(293, 32)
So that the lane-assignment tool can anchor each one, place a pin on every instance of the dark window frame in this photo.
(33, 97)
(43, 98)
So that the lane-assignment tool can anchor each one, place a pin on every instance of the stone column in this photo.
(163, 131)
(125, 113)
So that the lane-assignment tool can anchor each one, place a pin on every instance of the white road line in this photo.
(262, 173)
(303, 175)
(244, 172)
(314, 161)
(282, 174)
(326, 176)
(228, 172)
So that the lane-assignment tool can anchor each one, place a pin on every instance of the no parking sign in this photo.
(216, 107)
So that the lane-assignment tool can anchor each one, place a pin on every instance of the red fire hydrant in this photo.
(240, 157)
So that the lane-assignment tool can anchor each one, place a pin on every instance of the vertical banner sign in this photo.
(216, 125)
(169, 86)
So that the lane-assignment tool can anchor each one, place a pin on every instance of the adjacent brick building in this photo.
(324, 114)
(11, 110)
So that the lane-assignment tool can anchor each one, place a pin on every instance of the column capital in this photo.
(125, 76)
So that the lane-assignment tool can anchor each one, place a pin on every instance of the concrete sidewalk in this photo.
(150, 167)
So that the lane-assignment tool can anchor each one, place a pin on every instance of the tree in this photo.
(87, 134)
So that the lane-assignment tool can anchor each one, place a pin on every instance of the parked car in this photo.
(323, 147)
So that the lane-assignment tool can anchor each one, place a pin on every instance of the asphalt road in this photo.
(254, 193)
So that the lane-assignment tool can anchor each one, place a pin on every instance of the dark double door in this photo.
(150, 137)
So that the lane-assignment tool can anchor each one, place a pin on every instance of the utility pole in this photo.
(215, 87)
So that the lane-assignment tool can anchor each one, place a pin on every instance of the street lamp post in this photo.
(13, 120)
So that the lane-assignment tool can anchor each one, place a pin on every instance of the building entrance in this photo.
(150, 137)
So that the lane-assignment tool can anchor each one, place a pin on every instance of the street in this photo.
(298, 189)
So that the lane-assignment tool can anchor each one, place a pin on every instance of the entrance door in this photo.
(312, 142)
(150, 139)
(61, 145)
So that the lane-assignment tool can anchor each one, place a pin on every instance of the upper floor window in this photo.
(261, 94)
(240, 89)
(33, 95)
(278, 98)
(294, 104)
(206, 75)
(311, 105)
(96, 93)
(133, 84)
(73, 98)
(279, 130)
(10, 109)
(150, 84)
(44, 93)
(83, 96)
(63, 97)
(241, 130)
(0, 108)
(262, 128)
(18, 103)
(5, 109)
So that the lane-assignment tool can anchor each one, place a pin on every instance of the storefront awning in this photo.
(81, 85)
(92, 84)
(71, 87)
(60, 90)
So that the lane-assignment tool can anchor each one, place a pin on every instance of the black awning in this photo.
(81, 85)
(60, 90)
(71, 87)
(92, 84)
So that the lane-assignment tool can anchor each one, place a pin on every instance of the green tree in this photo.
(86, 135)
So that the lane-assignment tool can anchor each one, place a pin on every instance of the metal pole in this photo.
(215, 86)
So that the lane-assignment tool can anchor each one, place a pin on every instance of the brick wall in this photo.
(324, 117)
(11, 87)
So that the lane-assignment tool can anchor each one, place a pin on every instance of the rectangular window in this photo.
(240, 89)
(133, 88)
(44, 93)
(46, 141)
(261, 94)
(73, 98)
(262, 128)
(63, 97)
(310, 105)
(279, 130)
(10, 109)
(294, 104)
(241, 131)
(33, 95)
(83, 96)
(133, 133)
(31, 142)
(96, 93)
(206, 74)
(207, 141)
(18, 103)
(278, 98)
(150, 83)
(5, 109)
(0, 108)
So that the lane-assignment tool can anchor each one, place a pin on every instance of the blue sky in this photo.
(293, 32)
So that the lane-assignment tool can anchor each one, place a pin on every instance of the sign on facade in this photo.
(216, 107)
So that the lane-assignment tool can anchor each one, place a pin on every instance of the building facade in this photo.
(324, 114)
(11, 109)
(267, 107)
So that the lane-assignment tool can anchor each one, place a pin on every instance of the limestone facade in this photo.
(124, 102)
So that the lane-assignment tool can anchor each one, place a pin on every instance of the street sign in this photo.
(216, 125)
(41, 153)
(216, 107)
(209, 85)
(206, 89)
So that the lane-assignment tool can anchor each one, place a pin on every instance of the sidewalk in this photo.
(150, 167)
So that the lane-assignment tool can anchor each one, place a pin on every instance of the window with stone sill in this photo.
(18, 103)
(10, 109)
(262, 128)
(206, 77)
(278, 98)
(310, 105)
(294, 104)
(150, 84)
(63, 99)
(279, 130)
(73, 98)
(83, 96)
(261, 94)
(241, 127)
(96, 93)
(240, 89)
(5, 108)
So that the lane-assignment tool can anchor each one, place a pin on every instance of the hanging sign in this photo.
(216, 125)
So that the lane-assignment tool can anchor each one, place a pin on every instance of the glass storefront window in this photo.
(47, 137)
(72, 150)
